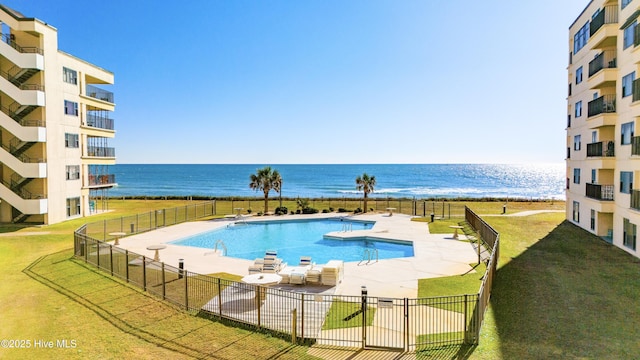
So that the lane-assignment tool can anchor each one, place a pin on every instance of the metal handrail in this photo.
(222, 246)
(7, 38)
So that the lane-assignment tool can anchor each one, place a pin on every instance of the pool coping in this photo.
(435, 255)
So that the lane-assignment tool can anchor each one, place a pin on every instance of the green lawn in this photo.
(46, 295)
(559, 293)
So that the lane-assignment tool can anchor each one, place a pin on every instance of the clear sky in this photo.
(323, 81)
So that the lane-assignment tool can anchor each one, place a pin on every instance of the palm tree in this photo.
(266, 179)
(366, 184)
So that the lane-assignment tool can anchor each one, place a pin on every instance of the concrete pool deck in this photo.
(435, 255)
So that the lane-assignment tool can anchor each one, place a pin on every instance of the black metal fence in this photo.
(491, 240)
(350, 321)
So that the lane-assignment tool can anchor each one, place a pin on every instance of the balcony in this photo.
(604, 60)
(600, 150)
(600, 192)
(635, 145)
(603, 30)
(100, 94)
(99, 122)
(635, 200)
(101, 151)
(9, 39)
(101, 180)
(601, 105)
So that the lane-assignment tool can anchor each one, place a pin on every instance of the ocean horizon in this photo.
(528, 181)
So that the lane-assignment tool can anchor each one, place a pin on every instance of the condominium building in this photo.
(603, 153)
(55, 126)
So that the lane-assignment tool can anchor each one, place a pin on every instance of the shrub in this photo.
(249, 211)
(331, 209)
(309, 210)
(342, 210)
(325, 211)
(357, 211)
(281, 210)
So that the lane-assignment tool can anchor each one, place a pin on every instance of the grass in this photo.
(343, 314)
(47, 295)
(559, 293)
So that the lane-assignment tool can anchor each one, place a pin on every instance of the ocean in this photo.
(530, 181)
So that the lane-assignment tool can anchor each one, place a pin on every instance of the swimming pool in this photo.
(295, 238)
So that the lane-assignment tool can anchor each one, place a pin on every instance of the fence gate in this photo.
(386, 323)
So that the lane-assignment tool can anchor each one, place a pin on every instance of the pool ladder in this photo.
(223, 247)
(368, 255)
(347, 227)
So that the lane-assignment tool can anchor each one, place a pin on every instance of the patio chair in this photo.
(297, 279)
(253, 269)
(305, 261)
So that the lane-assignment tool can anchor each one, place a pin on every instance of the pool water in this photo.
(293, 239)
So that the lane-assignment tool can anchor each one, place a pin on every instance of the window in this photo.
(627, 84)
(628, 34)
(70, 108)
(626, 182)
(73, 172)
(581, 37)
(73, 206)
(577, 143)
(579, 75)
(626, 133)
(69, 76)
(625, 3)
(593, 219)
(71, 140)
(576, 211)
(578, 109)
(593, 176)
(629, 234)
(576, 176)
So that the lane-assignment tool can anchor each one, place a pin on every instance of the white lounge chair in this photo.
(297, 278)
(305, 261)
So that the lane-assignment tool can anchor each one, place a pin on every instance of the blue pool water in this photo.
(293, 239)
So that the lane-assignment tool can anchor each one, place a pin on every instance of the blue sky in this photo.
(322, 81)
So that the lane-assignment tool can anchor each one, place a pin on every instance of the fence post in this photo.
(111, 259)
(126, 263)
(294, 324)
(258, 301)
(406, 324)
(466, 327)
(164, 288)
(302, 324)
(186, 292)
(219, 298)
(144, 273)
(363, 311)
(104, 230)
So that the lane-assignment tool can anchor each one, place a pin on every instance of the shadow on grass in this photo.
(569, 295)
(150, 319)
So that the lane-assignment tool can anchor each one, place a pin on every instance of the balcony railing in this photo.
(603, 104)
(600, 192)
(97, 180)
(600, 149)
(8, 38)
(100, 151)
(100, 94)
(99, 122)
(608, 15)
(635, 145)
(635, 199)
(605, 60)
